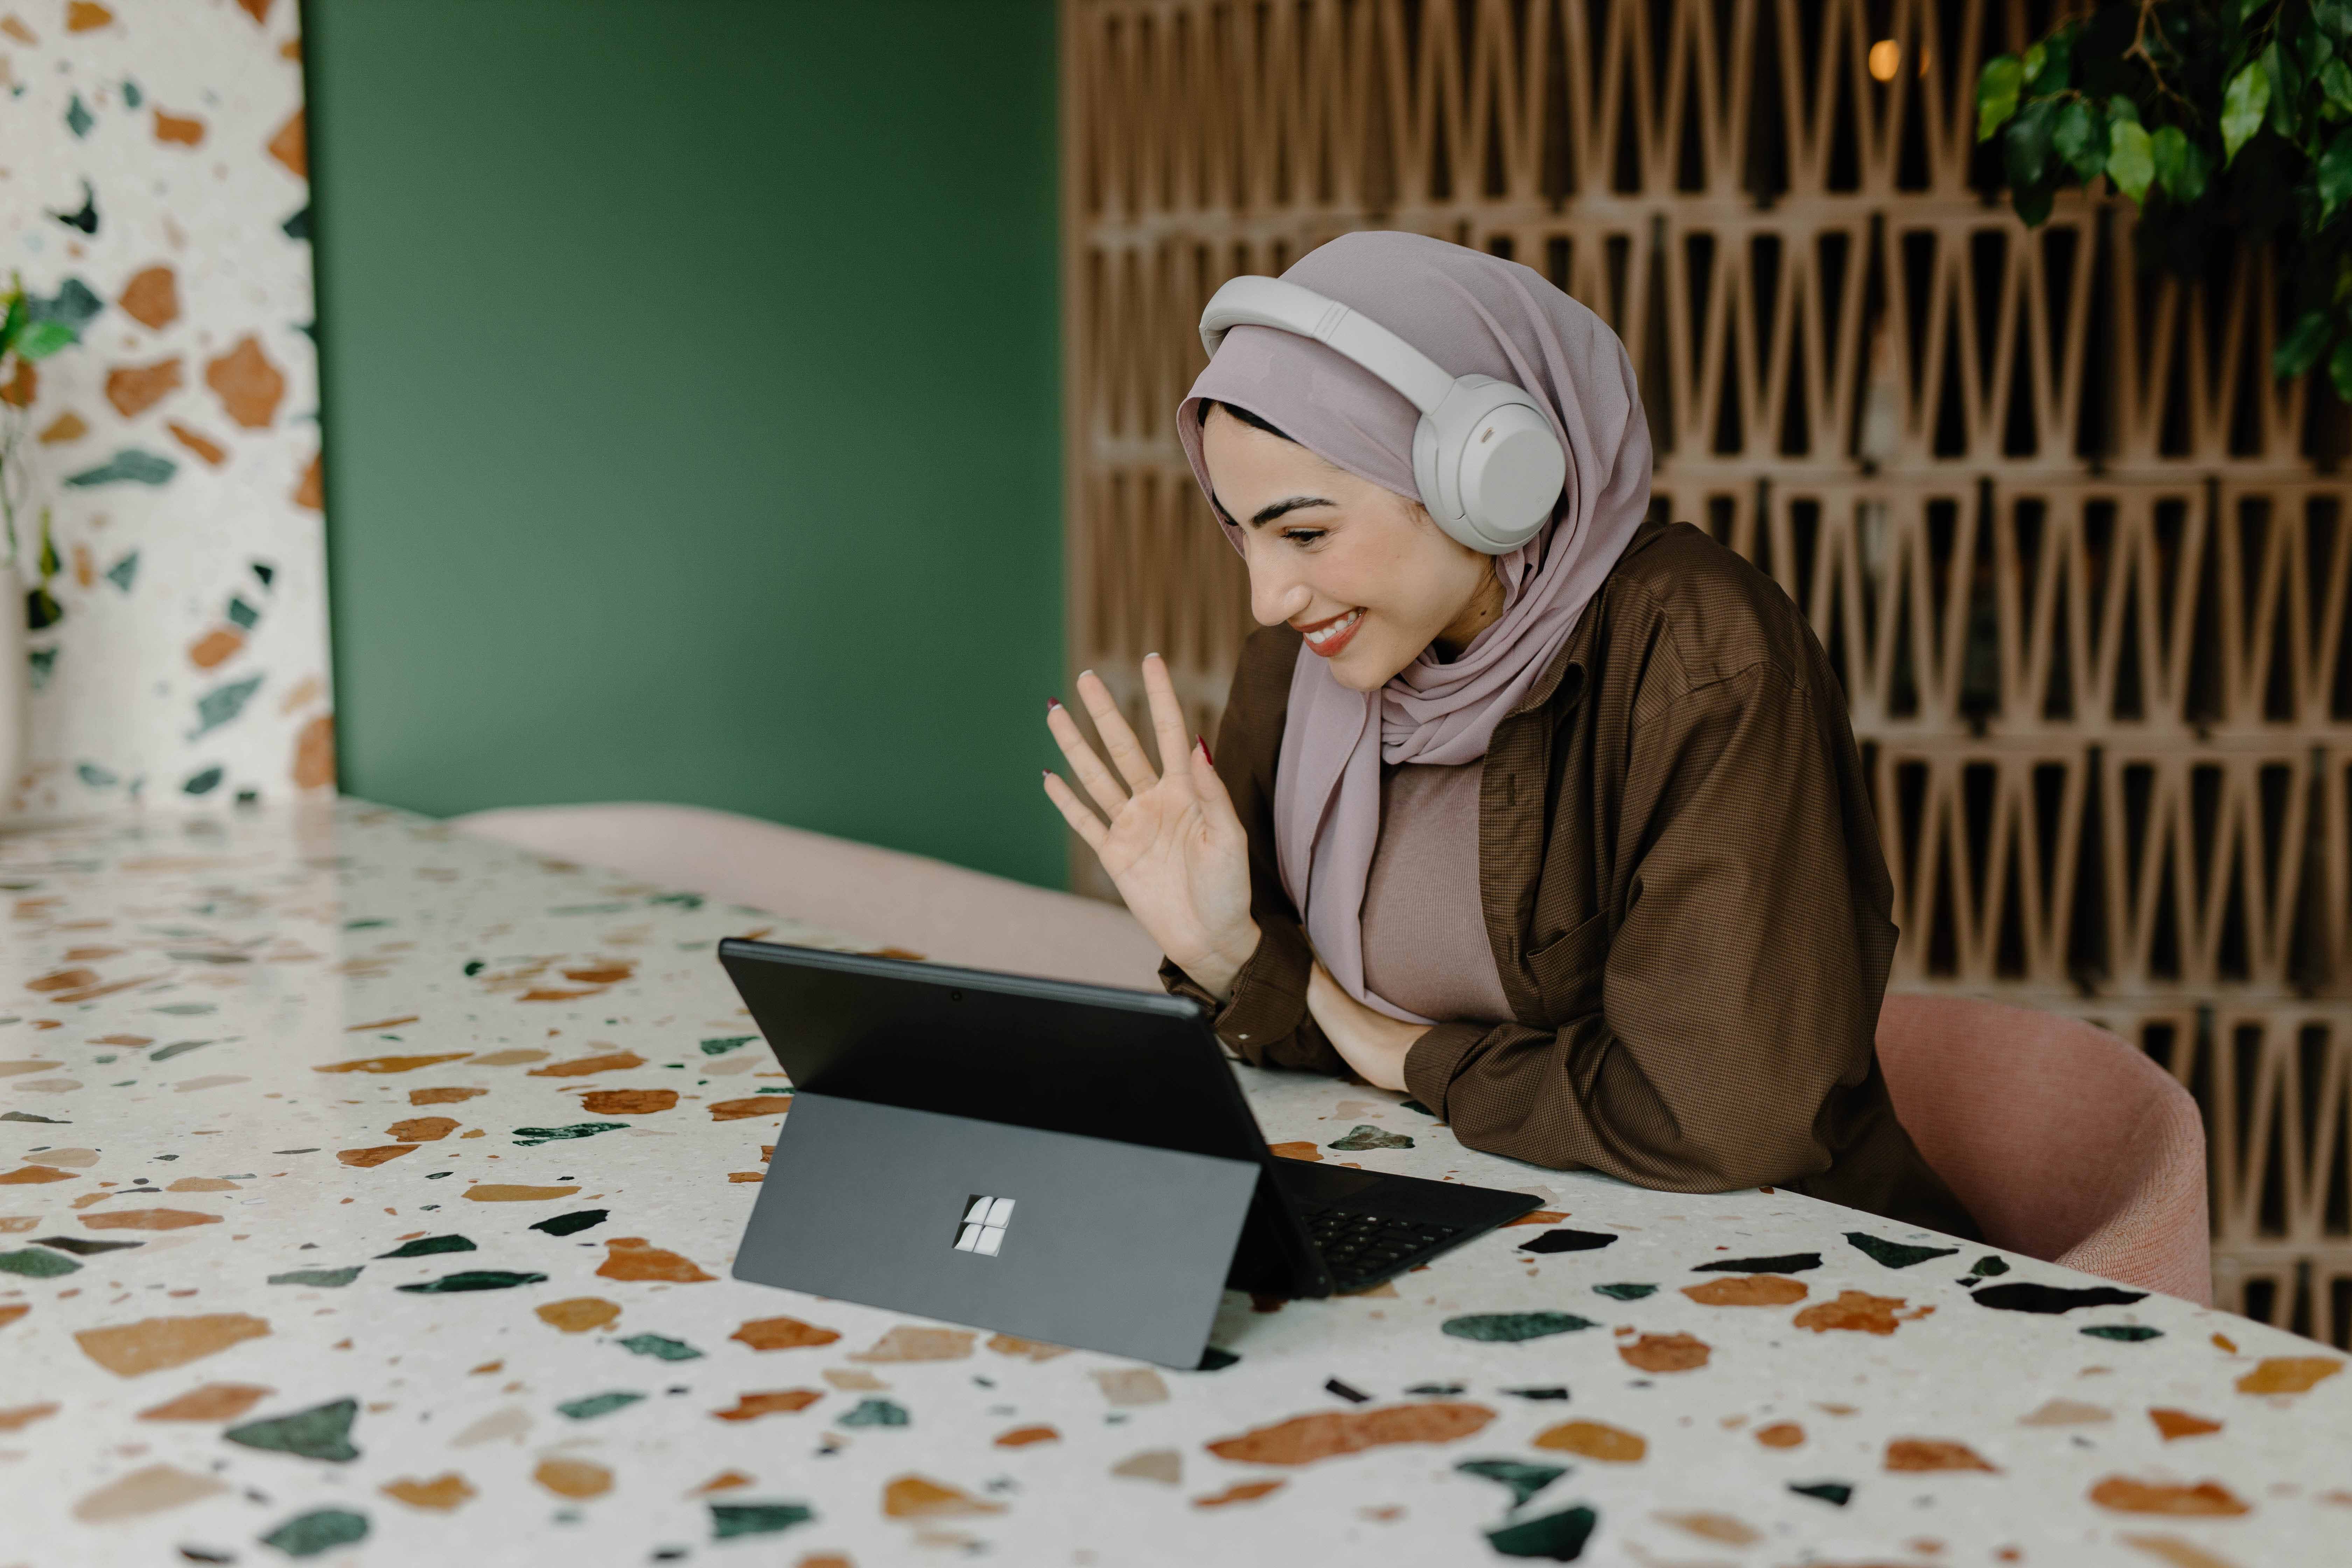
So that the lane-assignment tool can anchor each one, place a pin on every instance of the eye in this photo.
(1303, 536)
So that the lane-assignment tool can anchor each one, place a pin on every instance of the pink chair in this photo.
(2065, 1143)
(943, 912)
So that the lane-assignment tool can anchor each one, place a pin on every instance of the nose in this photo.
(1276, 593)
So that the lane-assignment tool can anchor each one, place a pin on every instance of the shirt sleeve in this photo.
(1743, 960)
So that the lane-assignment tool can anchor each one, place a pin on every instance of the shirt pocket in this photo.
(1569, 969)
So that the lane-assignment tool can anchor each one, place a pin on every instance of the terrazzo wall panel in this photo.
(153, 186)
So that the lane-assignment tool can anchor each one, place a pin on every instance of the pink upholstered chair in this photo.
(2065, 1143)
(944, 912)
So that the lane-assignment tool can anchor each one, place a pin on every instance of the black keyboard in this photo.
(1363, 1248)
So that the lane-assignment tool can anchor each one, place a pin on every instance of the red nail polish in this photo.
(1203, 742)
(1052, 703)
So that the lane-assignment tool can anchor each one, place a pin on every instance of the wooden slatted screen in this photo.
(2081, 564)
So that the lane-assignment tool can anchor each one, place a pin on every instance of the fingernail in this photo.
(1052, 703)
(1152, 656)
(1203, 742)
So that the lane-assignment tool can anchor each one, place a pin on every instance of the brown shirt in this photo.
(1425, 928)
(1683, 891)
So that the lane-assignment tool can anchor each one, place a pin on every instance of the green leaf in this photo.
(2339, 368)
(47, 562)
(42, 339)
(2300, 348)
(2284, 89)
(2335, 169)
(2035, 57)
(1997, 87)
(2180, 165)
(2335, 89)
(2130, 159)
(2025, 145)
(2032, 202)
(2243, 104)
(2057, 65)
(2081, 139)
(2123, 111)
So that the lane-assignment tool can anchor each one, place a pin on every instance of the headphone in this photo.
(1488, 467)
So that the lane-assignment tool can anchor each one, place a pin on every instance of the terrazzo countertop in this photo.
(369, 1197)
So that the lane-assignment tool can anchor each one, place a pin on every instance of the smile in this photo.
(1327, 638)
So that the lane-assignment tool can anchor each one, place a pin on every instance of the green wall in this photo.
(690, 389)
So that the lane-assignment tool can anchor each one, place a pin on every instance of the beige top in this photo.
(1426, 945)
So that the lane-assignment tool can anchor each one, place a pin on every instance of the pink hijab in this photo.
(1473, 314)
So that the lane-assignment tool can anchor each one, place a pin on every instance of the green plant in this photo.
(30, 330)
(2228, 122)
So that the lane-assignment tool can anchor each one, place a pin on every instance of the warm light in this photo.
(1886, 57)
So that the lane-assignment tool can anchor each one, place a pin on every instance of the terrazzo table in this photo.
(371, 1191)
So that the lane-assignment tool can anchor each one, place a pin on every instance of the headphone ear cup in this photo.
(1511, 474)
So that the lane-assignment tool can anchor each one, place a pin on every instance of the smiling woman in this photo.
(1550, 816)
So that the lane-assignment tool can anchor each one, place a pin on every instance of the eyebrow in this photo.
(1266, 514)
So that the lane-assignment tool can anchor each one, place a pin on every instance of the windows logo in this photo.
(983, 1227)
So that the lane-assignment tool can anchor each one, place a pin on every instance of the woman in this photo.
(1570, 842)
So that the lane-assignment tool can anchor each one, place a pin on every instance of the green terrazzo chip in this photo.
(2130, 1333)
(425, 1246)
(1895, 1254)
(322, 1432)
(330, 1278)
(34, 1265)
(1506, 1327)
(473, 1279)
(1559, 1537)
(731, 1518)
(1625, 1292)
(1524, 1479)
(876, 1413)
(531, 1137)
(321, 1530)
(597, 1404)
(720, 1048)
(658, 1345)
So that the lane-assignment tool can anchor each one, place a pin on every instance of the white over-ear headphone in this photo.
(1489, 468)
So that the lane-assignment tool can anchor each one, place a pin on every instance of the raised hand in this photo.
(1172, 844)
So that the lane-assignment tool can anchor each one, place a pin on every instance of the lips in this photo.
(1328, 637)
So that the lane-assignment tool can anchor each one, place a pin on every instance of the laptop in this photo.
(1061, 1162)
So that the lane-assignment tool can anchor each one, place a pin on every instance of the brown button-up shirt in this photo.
(1683, 892)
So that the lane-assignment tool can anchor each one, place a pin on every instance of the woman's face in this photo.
(1362, 572)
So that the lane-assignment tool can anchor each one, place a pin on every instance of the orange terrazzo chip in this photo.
(1301, 1151)
(442, 1493)
(611, 1061)
(2206, 1500)
(2174, 1423)
(635, 1257)
(17, 1418)
(579, 1313)
(212, 1402)
(911, 1343)
(577, 1478)
(148, 1219)
(757, 1105)
(362, 1159)
(782, 1334)
(1747, 1291)
(2288, 1374)
(153, 1345)
(1028, 1350)
(1303, 1439)
(775, 1402)
(1022, 1436)
(1665, 1352)
(627, 1101)
(1859, 1311)
(33, 1176)
(1240, 1491)
(1780, 1435)
(391, 1064)
(422, 1129)
(509, 1193)
(1595, 1440)
(1924, 1454)
(442, 1095)
(920, 1496)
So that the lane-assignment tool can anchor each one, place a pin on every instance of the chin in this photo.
(1360, 669)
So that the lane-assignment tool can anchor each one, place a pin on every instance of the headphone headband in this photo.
(1271, 302)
